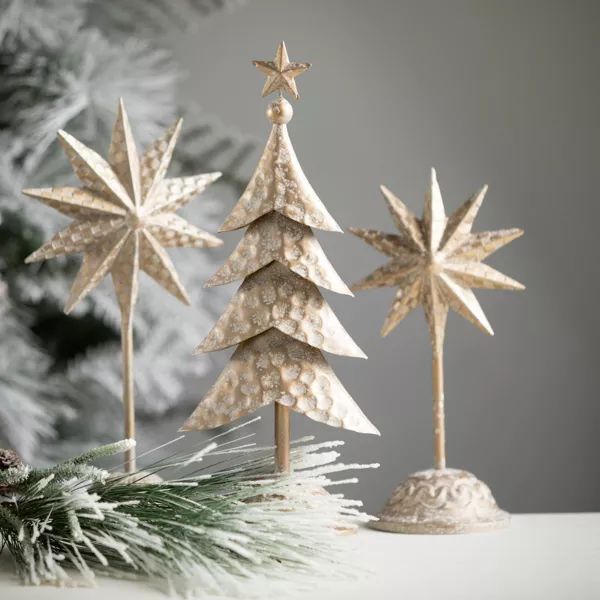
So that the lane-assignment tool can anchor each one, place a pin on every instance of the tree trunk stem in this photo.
(282, 438)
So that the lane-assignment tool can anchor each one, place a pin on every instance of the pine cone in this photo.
(8, 459)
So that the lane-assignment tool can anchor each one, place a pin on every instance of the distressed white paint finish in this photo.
(441, 501)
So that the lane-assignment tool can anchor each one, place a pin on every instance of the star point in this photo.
(436, 261)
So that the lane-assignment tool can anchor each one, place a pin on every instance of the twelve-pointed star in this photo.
(124, 215)
(436, 260)
(281, 73)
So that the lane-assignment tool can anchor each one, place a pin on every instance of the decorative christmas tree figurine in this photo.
(124, 217)
(435, 262)
(278, 316)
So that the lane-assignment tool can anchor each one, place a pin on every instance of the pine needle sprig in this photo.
(222, 523)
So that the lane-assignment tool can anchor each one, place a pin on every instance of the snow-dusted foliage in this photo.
(63, 65)
(239, 529)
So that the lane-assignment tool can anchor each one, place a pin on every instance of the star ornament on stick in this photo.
(124, 218)
(281, 73)
(435, 261)
(124, 215)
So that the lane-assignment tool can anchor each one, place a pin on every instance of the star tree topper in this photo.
(435, 261)
(124, 215)
(281, 73)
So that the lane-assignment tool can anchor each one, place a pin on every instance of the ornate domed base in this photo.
(441, 501)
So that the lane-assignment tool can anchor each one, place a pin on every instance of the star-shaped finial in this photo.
(124, 215)
(281, 73)
(436, 260)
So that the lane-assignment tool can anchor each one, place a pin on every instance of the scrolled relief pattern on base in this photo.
(441, 501)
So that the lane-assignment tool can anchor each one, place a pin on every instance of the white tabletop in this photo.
(545, 557)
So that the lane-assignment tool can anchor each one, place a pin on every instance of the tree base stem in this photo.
(282, 438)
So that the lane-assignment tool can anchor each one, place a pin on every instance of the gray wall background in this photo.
(504, 93)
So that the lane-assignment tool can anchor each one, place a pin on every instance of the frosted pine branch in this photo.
(239, 530)
(63, 67)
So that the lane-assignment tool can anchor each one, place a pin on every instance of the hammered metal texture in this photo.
(75, 202)
(156, 262)
(274, 237)
(123, 215)
(400, 272)
(278, 316)
(125, 273)
(174, 194)
(155, 161)
(171, 231)
(441, 501)
(272, 367)
(435, 308)
(93, 171)
(76, 237)
(435, 261)
(276, 297)
(95, 266)
(406, 298)
(123, 157)
(279, 184)
(386, 243)
(481, 245)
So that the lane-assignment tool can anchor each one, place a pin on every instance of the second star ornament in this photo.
(434, 262)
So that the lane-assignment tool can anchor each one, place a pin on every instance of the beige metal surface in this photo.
(272, 367)
(279, 184)
(274, 237)
(275, 297)
(281, 73)
(434, 261)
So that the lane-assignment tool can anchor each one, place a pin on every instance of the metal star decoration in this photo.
(124, 215)
(281, 73)
(124, 218)
(435, 261)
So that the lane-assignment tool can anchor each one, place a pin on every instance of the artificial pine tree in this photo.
(278, 316)
(63, 65)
